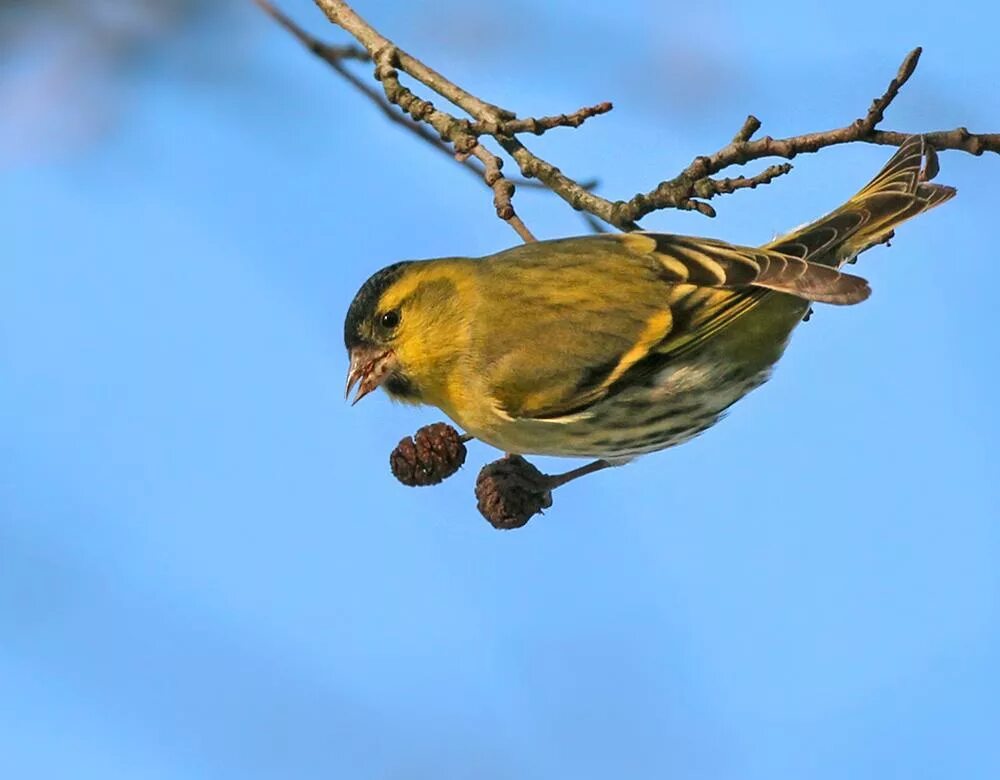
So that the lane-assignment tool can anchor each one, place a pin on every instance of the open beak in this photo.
(369, 368)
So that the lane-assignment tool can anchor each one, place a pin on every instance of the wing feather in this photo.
(711, 263)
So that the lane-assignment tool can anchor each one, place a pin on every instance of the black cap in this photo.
(363, 306)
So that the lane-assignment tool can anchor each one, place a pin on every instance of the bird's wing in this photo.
(710, 263)
(583, 312)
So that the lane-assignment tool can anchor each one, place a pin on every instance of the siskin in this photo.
(612, 346)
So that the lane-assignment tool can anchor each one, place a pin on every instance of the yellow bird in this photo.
(612, 346)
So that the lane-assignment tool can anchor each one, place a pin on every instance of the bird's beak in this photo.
(369, 368)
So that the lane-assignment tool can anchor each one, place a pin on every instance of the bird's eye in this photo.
(390, 319)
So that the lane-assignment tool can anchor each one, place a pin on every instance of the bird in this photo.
(613, 346)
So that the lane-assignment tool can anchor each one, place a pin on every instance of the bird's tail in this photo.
(901, 190)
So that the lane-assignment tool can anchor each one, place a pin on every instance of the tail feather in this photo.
(900, 191)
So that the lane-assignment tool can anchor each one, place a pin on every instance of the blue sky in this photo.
(206, 569)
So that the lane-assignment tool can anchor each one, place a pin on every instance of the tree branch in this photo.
(335, 57)
(691, 189)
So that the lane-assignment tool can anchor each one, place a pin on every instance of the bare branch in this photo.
(503, 191)
(326, 51)
(750, 126)
(335, 56)
(452, 130)
(959, 139)
(679, 191)
(342, 15)
(877, 111)
(688, 190)
(541, 124)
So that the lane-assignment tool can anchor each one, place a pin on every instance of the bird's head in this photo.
(404, 328)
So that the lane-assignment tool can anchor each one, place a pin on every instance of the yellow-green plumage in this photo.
(612, 346)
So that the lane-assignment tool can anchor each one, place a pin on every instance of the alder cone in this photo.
(511, 491)
(428, 457)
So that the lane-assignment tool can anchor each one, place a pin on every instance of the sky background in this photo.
(206, 569)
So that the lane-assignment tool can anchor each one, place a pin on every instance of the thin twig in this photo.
(540, 125)
(342, 15)
(454, 131)
(503, 192)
